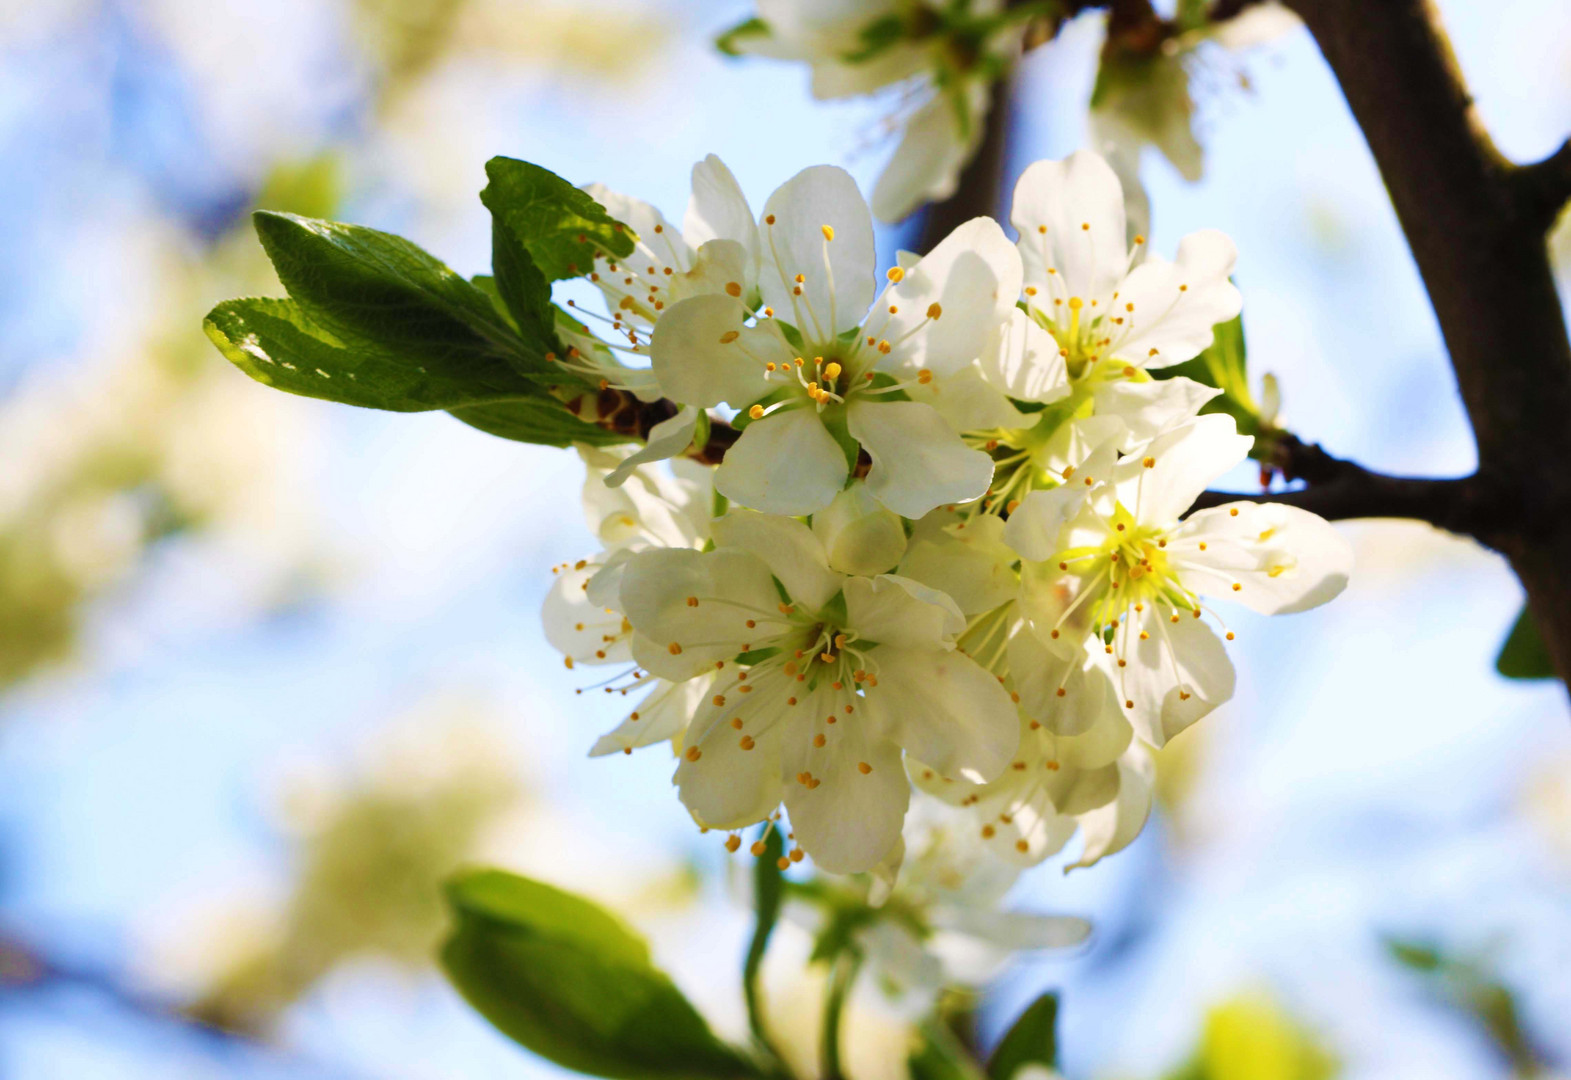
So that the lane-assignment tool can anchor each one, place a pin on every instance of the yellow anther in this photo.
(733, 842)
(692, 601)
(896, 274)
(832, 371)
(818, 740)
(1233, 512)
(1149, 462)
(747, 742)
(828, 231)
(1075, 303)
(1236, 586)
(719, 700)
(840, 641)
(924, 376)
(934, 310)
(769, 219)
(756, 412)
(736, 722)
(988, 832)
(757, 848)
(693, 753)
(674, 649)
(729, 336)
(1042, 229)
(796, 854)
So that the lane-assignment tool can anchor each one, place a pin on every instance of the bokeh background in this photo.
(269, 668)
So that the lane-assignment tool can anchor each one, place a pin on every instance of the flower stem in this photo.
(842, 974)
(766, 905)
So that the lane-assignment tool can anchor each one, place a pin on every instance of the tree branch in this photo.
(1483, 259)
(1340, 490)
(981, 181)
(1544, 187)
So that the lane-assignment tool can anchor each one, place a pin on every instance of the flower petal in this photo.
(967, 402)
(1080, 205)
(859, 535)
(1113, 827)
(719, 211)
(667, 439)
(703, 353)
(788, 547)
(946, 710)
(817, 199)
(729, 778)
(973, 567)
(1176, 304)
(1185, 459)
(850, 819)
(1177, 675)
(662, 715)
(926, 164)
(950, 305)
(1286, 559)
(918, 460)
(578, 629)
(1149, 408)
(786, 463)
(1024, 362)
(899, 612)
(1040, 669)
(1016, 930)
(693, 606)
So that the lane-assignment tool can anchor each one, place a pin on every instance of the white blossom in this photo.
(821, 680)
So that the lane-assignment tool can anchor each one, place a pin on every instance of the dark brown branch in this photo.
(1340, 490)
(1544, 188)
(1485, 266)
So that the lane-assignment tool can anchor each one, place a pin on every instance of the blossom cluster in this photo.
(952, 547)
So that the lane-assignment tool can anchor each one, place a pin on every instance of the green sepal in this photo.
(726, 40)
(570, 982)
(878, 36)
(1524, 655)
(1031, 1040)
(757, 656)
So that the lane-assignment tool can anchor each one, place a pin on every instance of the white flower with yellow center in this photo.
(821, 682)
(817, 374)
(1120, 571)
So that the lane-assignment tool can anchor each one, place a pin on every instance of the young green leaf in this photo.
(730, 40)
(567, 980)
(1032, 1039)
(1224, 365)
(766, 908)
(1524, 655)
(370, 288)
(561, 227)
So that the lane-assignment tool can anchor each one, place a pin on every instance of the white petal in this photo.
(1113, 827)
(1088, 447)
(851, 819)
(786, 463)
(1176, 304)
(719, 211)
(1186, 459)
(661, 716)
(1022, 825)
(1078, 791)
(973, 276)
(972, 566)
(1066, 197)
(1148, 408)
(1174, 677)
(1024, 361)
(967, 402)
(926, 164)
(899, 612)
(703, 354)
(1285, 558)
(824, 195)
(946, 710)
(1035, 527)
(658, 589)
(1041, 668)
(918, 460)
(788, 547)
(833, 79)
(727, 786)
(667, 439)
(858, 534)
(577, 628)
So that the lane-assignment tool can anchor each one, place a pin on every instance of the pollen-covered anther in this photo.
(733, 842)
(758, 847)
(693, 753)
(733, 288)
(1129, 704)
(1230, 635)
(1237, 586)
(863, 767)
(729, 336)
(819, 740)
(1149, 462)
(756, 412)
(796, 855)
(692, 601)
(746, 742)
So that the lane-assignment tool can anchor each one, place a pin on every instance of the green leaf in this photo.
(1033, 1039)
(876, 37)
(524, 291)
(728, 41)
(370, 288)
(567, 980)
(940, 1056)
(273, 342)
(1524, 656)
(561, 227)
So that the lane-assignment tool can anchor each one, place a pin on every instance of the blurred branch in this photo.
(981, 182)
(25, 968)
(1485, 265)
(1339, 490)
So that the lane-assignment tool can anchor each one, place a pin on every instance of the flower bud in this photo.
(859, 535)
